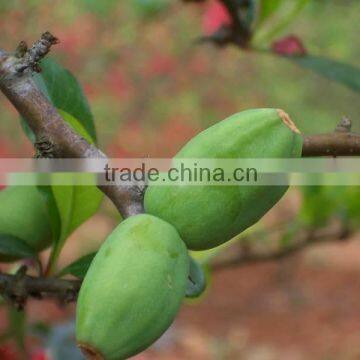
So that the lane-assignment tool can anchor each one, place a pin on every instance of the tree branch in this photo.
(17, 288)
(340, 143)
(54, 137)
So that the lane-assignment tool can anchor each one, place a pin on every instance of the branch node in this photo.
(21, 50)
(32, 57)
(342, 142)
(44, 148)
(15, 291)
(344, 125)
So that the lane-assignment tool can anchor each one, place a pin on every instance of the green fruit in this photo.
(23, 214)
(132, 290)
(207, 216)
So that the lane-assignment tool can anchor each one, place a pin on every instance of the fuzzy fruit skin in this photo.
(23, 214)
(132, 290)
(207, 216)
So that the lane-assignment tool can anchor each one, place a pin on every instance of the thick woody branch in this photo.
(54, 137)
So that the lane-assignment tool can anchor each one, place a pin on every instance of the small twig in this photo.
(241, 33)
(344, 126)
(30, 58)
(238, 32)
(302, 240)
(221, 37)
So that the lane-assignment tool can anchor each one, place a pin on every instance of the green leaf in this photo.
(65, 92)
(76, 125)
(267, 8)
(196, 284)
(345, 74)
(75, 205)
(79, 267)
(13, 246)
(47, 193)
(283, 21)
(70, 206)
(27, 130)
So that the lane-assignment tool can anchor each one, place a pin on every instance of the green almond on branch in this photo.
(23, 216)
(132, 290)
(207, 216)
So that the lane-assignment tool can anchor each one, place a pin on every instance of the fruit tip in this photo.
(285, 117)
(90, 352)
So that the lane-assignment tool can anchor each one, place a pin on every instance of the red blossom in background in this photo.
(128, 142)
(290, 45)
(215, 17)
(5, 148)
(160, 65)
(164, 141)
(40, 354)
(117, 82)
(73, 42)
(173, 135)
(90, 90)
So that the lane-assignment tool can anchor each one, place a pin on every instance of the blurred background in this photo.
(151, 89)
